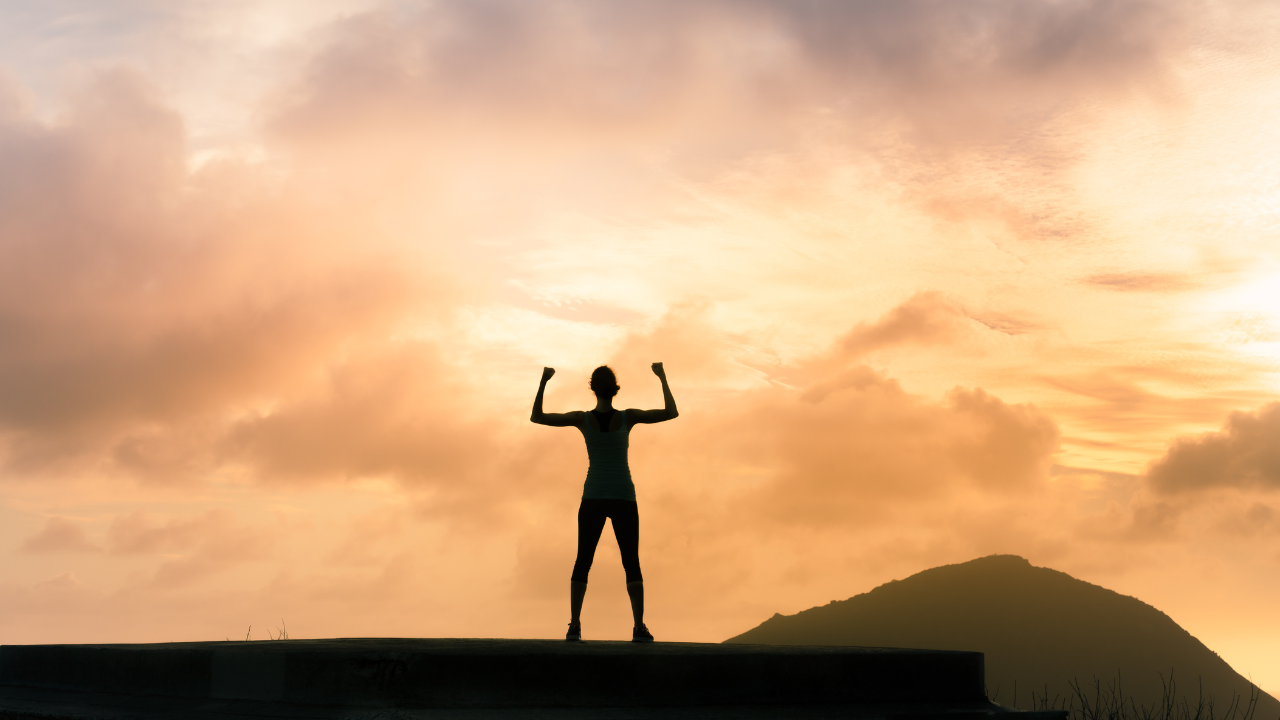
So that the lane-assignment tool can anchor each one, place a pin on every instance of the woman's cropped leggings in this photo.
(626, 527)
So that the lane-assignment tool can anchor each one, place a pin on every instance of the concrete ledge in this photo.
(476, 678)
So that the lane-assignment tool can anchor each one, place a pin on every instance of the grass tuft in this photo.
(1110, 703)
(282, 632)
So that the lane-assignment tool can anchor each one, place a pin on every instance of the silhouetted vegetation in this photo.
(281, 633)
(1099, 702)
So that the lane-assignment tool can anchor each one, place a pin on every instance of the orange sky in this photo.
(931, 281)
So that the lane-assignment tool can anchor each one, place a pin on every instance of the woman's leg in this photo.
(626, 528)
(591, 517)
(577, 591)
(635, 590)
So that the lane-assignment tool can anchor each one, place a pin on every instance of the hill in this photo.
(1038, 627)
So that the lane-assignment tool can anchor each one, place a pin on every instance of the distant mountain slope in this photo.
(1037, 626)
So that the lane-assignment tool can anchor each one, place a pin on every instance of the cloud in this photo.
(1256, 520)
(169, 320)
(1142, 282)
(849, 442)
(59, 535)
(686, 337)
(924, 319)
(396, 414)
(138, 534)
(575, 309)
(989, 66)
(1117, 392)
(1154, 521)
(868, 450)
(371, 538)
(195, 547)
(513, 112)
(143, 305)
(173, 325)
(64, 581)
(1244, 454)
(677, 72)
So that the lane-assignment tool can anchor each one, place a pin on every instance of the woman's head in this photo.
(603, 382)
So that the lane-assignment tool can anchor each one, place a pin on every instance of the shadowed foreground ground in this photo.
(403, 678)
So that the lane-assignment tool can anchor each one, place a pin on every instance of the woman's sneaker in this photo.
(575, 632)
(641, 634)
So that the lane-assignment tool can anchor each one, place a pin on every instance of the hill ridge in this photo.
(1038, 627)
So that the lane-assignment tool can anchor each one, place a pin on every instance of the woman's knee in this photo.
(632, 568)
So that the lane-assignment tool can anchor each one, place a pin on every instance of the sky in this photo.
(930, 280)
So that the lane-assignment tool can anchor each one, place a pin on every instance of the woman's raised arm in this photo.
(668, 412)
(552, 419)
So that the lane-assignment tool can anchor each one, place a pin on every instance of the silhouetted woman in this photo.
(608, 491)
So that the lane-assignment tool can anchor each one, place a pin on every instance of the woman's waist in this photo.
(603, 469)
(609, 470)
(609, 484)
(607, 456)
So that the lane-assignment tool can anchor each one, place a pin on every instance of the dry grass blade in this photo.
(1111, 704)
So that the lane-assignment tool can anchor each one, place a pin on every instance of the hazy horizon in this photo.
(931, 281)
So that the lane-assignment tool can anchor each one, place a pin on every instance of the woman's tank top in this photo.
(608, 475)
